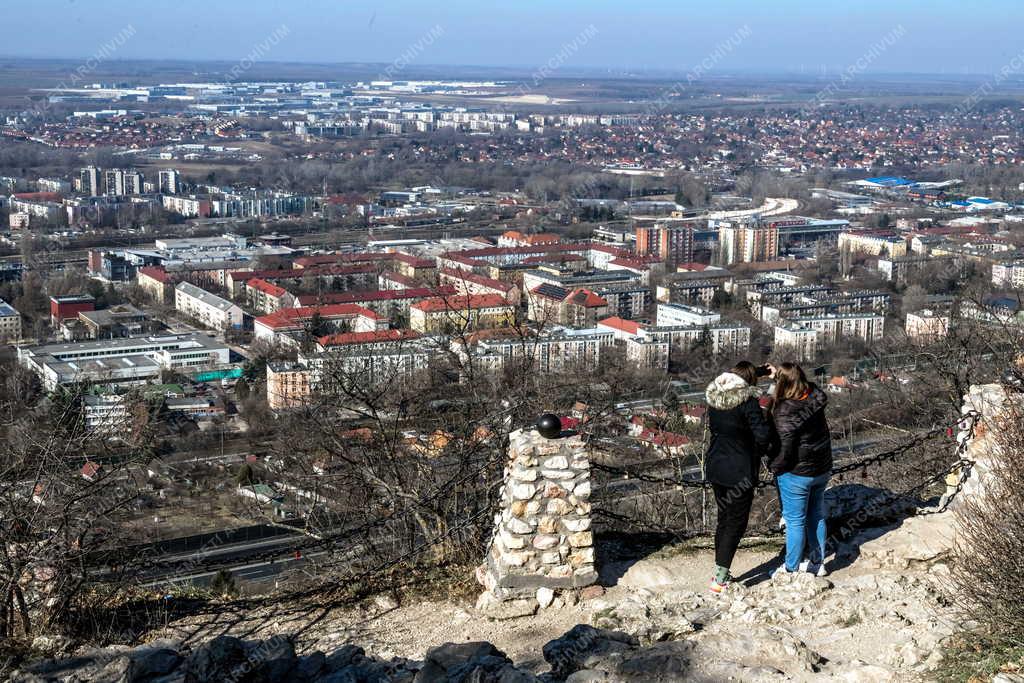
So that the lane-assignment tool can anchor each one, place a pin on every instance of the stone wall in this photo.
(543, 544)
(992, 403)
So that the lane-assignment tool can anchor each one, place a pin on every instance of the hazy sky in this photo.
(931, 36)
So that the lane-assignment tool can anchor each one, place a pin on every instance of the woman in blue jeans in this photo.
(802, 466)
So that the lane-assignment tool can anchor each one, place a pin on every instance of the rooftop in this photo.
(207, 298)
(353, 338)
(461, 303)
(291, 317)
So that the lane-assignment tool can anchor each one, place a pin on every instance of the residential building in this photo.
(468, 282)
(748, 243)
(360, 359)
(289, 385)
(19, 220)
(265, 297)
(721, 338)
(671, 244)
(119, 182)
(155, 281)
(460, 312)
(556, 349)
(872, 243)
(514, 238)
(647, 353)
(208, 309)
(169, 181)
(926, 326)
(43, 205)
(289, 326)
(90, 181)
(669, 315)
(189, 207)
(57, 185)
(10, 322)
(868, 327)
(1010, 274)
(795, 341)
(106, 414)
(582, 308)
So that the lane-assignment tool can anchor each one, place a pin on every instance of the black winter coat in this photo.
(804, 439)
(740, 433)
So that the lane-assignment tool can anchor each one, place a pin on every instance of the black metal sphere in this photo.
(549, 425)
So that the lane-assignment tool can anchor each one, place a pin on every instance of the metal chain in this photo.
(963, 465)
(878, 458)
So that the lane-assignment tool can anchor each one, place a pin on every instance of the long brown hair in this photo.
(790, 382)
(746, 370)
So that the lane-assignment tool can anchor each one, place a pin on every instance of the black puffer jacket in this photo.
(740, 433)
(804, 439)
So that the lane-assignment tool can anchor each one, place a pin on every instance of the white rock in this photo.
(558, 462)
(545, 596)
(518, 526)
(523, 491)
(575, 525)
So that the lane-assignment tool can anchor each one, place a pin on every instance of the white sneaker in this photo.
(816, 569)
(781, 569)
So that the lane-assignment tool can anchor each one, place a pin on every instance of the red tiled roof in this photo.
(460, 302)
(299, 273)
(635, 263)
(375, 295)
(666, 439)
(616, 323)
(39, 196)
(398, 278)
(347, 338)
(554, 258)
(155, 272)
(586, 298)
(375, 257)
(290, 317)
(469, 276)
(266, 287)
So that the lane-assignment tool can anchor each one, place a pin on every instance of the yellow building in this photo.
(454, 313)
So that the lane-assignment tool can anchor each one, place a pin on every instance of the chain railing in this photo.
(676, 484)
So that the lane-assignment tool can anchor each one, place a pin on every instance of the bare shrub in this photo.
(988, 574)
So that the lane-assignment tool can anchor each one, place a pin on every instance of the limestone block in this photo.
(545, 542)
(582, 539)
(559, 462)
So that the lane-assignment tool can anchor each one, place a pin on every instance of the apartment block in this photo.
(10, 322)
(210, 310)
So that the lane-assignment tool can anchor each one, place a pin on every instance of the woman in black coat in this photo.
(802, 466)
(740, 436)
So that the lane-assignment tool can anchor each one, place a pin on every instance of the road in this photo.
(773, 206)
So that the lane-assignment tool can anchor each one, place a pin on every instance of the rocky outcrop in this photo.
(231, 660)
(867, 626)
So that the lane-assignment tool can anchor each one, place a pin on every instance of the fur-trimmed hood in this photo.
(728, 390)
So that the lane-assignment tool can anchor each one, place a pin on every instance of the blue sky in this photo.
(937, 36)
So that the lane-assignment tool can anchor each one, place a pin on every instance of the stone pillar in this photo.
(542, 543)
(992, 403)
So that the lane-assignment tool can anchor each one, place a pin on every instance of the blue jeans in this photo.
(803, 508)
